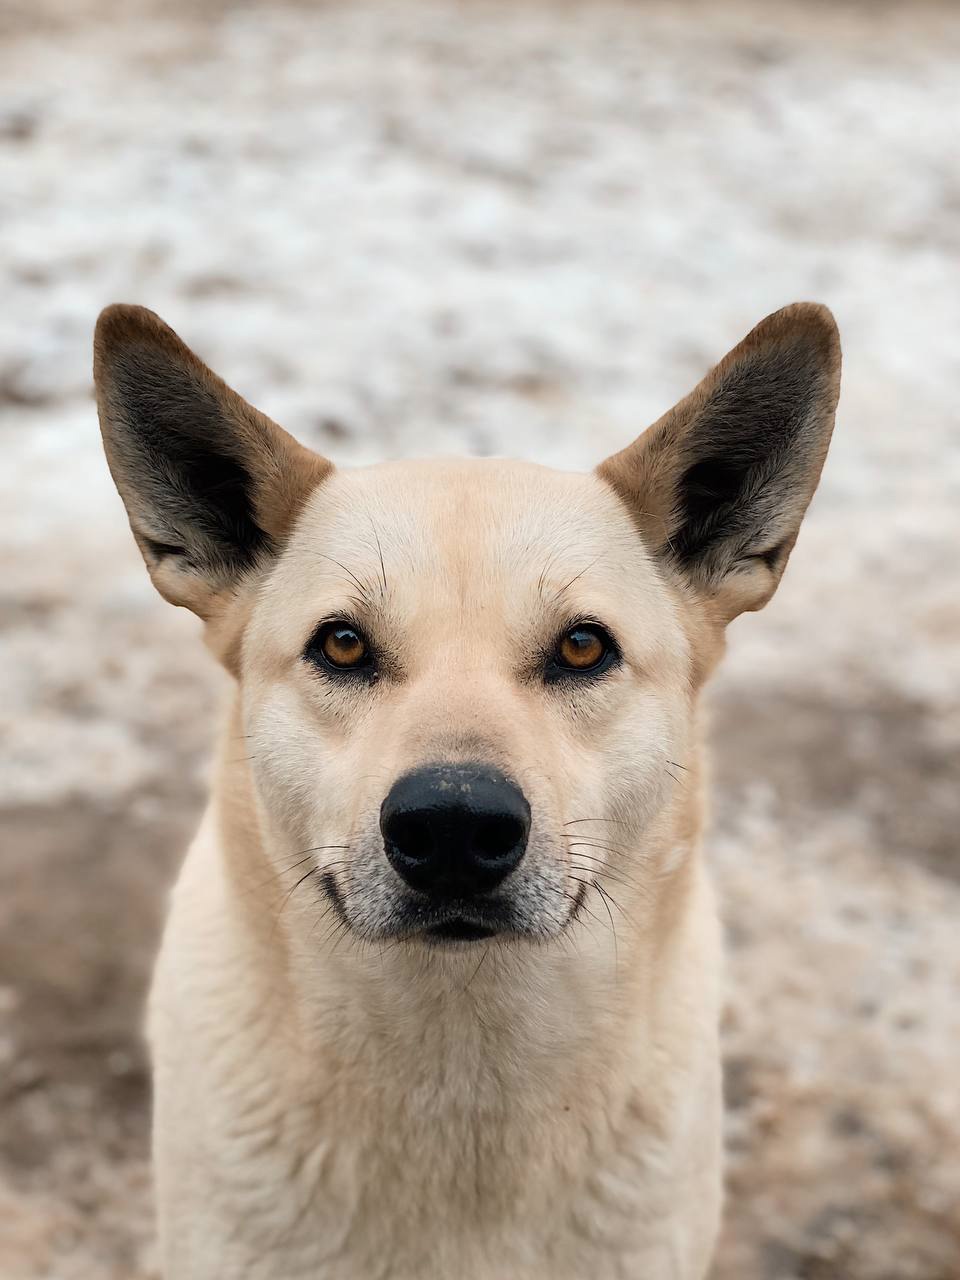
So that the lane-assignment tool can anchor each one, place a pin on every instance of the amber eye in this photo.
(581, 648)
(340, 646)
(584, 649)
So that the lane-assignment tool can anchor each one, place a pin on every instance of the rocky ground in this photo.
(527, 228)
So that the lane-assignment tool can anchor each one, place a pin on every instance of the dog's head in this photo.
(468, 687)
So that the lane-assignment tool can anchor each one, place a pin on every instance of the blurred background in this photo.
(525, 227)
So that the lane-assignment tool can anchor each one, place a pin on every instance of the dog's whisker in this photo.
(614, 821)
(320, 848)
(285, 871)
(607, 894)
(486, 952)
(306, 876)
(292, 867)
(613, 927)
(601, 863)
(599, 873)
(588, 838)
(615, 873)
(596, 844)
(595, 867)
(583, 903)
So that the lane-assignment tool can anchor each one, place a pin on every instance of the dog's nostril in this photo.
(496, 836)
(452, 831)
(409, 832)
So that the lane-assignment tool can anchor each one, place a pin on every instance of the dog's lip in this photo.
(460, 930)
(456, 921)
(437, 922)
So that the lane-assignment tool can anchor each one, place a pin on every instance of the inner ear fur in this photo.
(211, 485)
(719, 485)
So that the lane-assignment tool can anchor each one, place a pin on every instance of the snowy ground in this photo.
(527, 228)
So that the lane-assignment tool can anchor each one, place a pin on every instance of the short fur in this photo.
(336, 1097)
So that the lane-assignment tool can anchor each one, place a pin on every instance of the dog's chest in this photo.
(421, 1183)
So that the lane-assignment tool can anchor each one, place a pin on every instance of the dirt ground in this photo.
(528, 228)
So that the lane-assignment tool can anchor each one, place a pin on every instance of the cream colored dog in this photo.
(438, 994)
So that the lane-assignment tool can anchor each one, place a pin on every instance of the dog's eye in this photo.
(585, 649)
(339, 646)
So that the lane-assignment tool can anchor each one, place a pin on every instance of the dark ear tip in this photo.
(124, 319)
(123, 324)
(805, 322)
(812, 317)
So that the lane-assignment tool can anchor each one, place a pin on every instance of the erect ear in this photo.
(719, 485)
(210, 485)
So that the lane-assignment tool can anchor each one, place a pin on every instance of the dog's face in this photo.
(468, 688)
(444, 677)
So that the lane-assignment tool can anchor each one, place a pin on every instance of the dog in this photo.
(438, 993)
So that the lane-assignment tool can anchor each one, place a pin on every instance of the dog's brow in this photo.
(366, 590)
(383, 568)
(561, 591)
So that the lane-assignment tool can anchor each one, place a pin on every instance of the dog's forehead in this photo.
(447, 521)
(471, 553)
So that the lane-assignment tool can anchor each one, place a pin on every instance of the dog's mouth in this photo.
(452, 922)
(437, 923)
(466, 921)
(459, 930)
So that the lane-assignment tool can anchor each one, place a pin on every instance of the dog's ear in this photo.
(719, 485)
(210, 485)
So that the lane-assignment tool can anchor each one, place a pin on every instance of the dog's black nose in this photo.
(453, 831)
